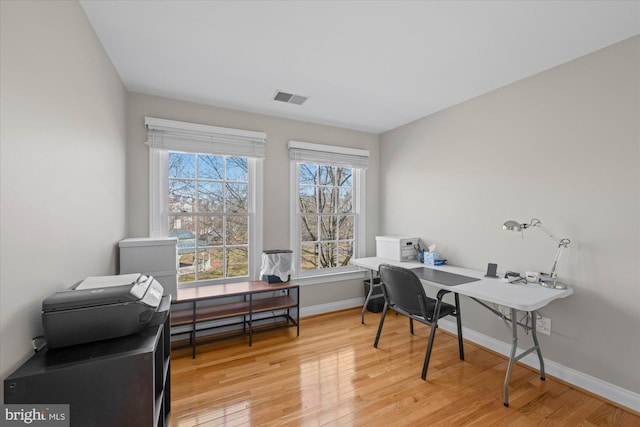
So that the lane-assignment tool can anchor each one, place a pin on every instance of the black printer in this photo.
(100, 308)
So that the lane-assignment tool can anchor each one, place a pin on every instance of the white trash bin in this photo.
(277, 265)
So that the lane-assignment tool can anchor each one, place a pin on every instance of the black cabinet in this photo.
(118, 382)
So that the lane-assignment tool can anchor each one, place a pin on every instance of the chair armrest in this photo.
(442, 293)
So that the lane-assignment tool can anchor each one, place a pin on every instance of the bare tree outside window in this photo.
(209, 213)
(326, 216)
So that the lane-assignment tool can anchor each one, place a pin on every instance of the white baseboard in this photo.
(612, 392)
(333, 306)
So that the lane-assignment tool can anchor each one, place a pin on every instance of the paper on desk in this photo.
(93, 282)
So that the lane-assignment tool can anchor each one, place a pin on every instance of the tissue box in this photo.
(433, 258)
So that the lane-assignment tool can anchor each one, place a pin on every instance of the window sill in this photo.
(328, 278)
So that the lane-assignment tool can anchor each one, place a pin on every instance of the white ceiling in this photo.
(365, 65)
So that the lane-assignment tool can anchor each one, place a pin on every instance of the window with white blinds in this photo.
(327, 206)
(205, 186)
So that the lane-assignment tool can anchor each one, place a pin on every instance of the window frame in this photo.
(159, 188)
(358, 200)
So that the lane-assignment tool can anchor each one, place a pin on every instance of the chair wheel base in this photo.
(506, 405)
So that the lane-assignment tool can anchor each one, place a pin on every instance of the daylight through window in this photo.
(328, 197)
(205, 185)
(208, 212)
(326, 216)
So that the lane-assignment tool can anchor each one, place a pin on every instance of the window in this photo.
(209, 213)
(326, 216)
(327, 206)
(205, 186)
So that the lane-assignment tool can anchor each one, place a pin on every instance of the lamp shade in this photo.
(512, 226)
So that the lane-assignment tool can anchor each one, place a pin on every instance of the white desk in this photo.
(527, 297)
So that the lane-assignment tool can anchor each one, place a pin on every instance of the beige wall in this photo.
(276, 173)
(62, 157)
(562, 146)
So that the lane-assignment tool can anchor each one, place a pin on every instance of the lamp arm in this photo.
(554, 274)
(535, 222)
(561, 242)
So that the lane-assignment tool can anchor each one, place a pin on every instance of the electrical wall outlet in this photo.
(543, 325)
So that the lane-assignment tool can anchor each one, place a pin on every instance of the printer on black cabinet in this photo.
(100, 308)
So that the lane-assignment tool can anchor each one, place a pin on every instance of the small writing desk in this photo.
(527, 297)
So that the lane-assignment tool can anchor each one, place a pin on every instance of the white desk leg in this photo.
(535, 342)
(514, 346)
(512, 356)
(366, 300)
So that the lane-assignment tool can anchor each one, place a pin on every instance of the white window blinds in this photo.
(172, 135)
(307, 152)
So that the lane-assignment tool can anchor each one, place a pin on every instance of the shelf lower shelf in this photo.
(253, 302)
(214, 312)
(275, 303)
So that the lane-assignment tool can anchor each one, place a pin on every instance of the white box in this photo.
(397, 248)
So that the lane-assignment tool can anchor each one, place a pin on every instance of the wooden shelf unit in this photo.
(248, 299)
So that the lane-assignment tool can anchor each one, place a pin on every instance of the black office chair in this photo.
(404, 294)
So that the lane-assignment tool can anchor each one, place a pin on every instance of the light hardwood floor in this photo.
(332, 376)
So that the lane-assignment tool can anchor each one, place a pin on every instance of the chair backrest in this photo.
(403, 289)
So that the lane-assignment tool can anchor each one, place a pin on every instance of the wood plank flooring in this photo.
(332, 376)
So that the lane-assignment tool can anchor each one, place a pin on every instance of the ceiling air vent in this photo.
(289, 98)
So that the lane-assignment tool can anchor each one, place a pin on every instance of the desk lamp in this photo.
(562, 244)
